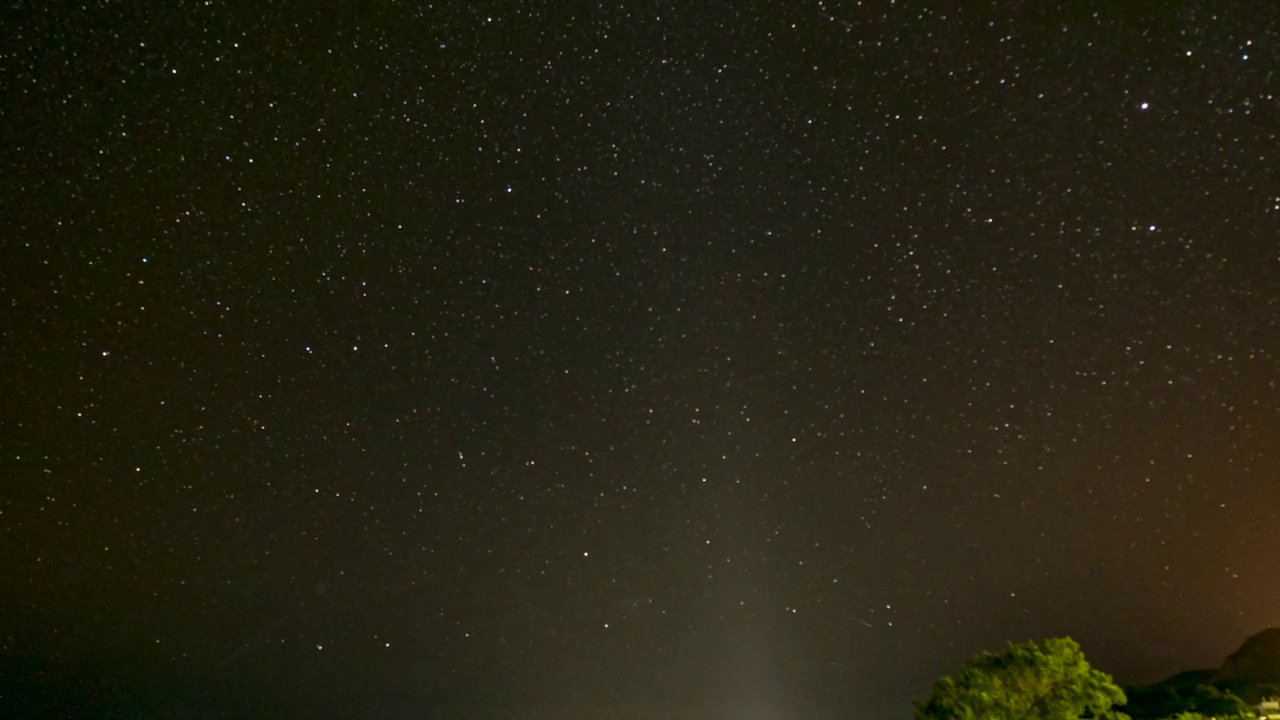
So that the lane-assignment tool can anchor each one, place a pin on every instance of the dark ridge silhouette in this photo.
(1256, 662)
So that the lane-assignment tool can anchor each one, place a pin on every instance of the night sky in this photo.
(718, 360)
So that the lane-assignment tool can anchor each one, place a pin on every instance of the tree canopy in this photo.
(1050, 680)
(1186, 700)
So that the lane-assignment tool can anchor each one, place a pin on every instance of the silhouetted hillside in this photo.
(1257, 661)
(1245, 677)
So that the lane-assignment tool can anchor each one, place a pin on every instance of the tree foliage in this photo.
(1050, 680)
(1184, 700)
(1212, 702)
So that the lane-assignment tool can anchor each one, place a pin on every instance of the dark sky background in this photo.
(636, 360)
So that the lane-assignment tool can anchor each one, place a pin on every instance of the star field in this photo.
(629, 360)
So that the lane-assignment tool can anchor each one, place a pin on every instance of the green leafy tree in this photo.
(1152, 702)
(1251, 693)
(1212, 702)
(1049, 680)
